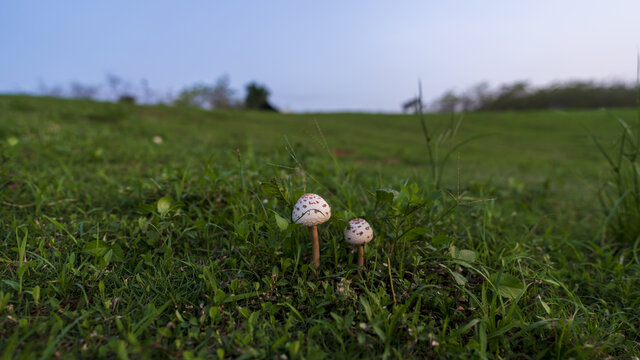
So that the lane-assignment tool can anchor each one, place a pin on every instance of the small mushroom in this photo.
(312, 210)
(358, 233)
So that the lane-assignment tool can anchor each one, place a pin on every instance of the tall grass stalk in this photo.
(620, 196)
(439, 141)
(425, 132)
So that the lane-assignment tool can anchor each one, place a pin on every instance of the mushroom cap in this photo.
(358, 232)
(311, 210)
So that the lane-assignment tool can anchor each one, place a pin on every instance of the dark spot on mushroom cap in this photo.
(304, 206)
(324, 205)
(360, 233)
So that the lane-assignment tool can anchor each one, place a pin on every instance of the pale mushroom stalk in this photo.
(315, 246)
(312, 210)
(358, 232)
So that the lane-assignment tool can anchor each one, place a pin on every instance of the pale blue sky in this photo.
(321, 55)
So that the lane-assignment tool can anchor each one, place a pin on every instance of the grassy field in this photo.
(136, 232)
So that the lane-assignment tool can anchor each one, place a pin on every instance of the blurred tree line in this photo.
(521, 95)
(219, 95)
(216, 95)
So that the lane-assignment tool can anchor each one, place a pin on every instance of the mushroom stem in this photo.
(315, 246)
(361, 255)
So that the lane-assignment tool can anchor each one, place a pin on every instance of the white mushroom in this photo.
(312, 210)
(358, 232)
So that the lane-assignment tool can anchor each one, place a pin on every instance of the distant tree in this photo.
(520, 95)
(127, 99)
(511, 96)
(448, 102)
(258, 97)
(191, 96)
(411, 105)
(216, 96)
(120, 89)
(147, 94)
(53, 91)
(475, 96)
(114, 88)
(82, 91)
(221, 96)
(481, 93)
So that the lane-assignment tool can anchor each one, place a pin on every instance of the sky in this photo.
(318, 56)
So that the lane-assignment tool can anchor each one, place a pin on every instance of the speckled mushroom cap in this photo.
(311, 210)
(358, 232)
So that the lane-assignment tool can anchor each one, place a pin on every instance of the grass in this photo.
(113, 245)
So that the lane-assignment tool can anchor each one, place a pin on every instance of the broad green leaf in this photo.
(419, 231)
(367, 308)
(118, 254)
(245, 312)
(214, 312)
(282, 223)
(12, 141)
(508, 286)
(414, 233)
(242, 228)
(23, 268)
(201, 224)
(440, 240)
(270, 188)
(36, 294)
(462, 254)
(107, 256)
(163, 205)
(435, 195)
(278, 342)
(339, 223)
(460, 279)
(379, 332)
(145, 208)
(274, 189)
(545, 306)
(13, 284)
(467, 255)
(463, 329)
(218, 298)
(95, 248)
(386, 195)
(4, 300)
